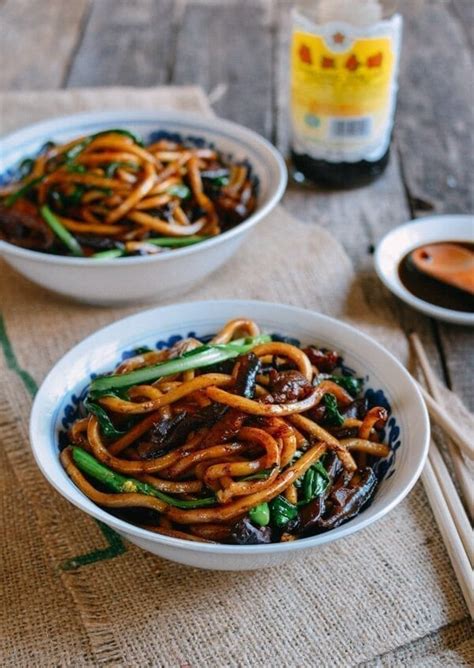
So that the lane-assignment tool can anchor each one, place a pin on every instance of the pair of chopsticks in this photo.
(445, 503)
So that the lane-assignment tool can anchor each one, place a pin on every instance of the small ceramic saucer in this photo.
(402, 240)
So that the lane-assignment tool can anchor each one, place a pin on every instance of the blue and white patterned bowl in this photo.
(387, 382)
(158, 276)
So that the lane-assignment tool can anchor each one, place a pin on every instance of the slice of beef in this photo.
(232, 420)
(325, 360)
(288, 386)
(21, 225)
(226, 428)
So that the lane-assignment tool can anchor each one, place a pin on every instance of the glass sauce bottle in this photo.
(344, 66)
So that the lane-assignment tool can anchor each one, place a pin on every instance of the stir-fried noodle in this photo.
(242, 440)
(106, 195)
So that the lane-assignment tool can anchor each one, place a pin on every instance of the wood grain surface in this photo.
(125, 43)
(238, 51)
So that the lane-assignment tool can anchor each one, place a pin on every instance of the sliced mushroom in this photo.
(246, 533)
(346, 501)
(170, 433)
(245, 382)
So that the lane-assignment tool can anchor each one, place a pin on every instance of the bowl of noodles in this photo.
(111, 207)
(230, 434)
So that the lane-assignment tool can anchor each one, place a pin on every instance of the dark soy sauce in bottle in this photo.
(338, 174)
(344, 64)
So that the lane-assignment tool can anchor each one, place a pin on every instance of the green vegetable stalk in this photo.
(176, 242)
(122, 485)
(205, 355)
(165, 242)
(60, 231)
(108, 254)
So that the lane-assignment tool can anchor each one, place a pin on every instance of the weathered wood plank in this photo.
(458, 341)
(37, 41)
(458, 345)
(125, 43)
(434, 134)
(230, 46)
(434, 123)
(463, 10)
(282, 75)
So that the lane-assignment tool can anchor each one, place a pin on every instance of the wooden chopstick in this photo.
(426, 367)
(453, 501)
(463, 475)
(441, 417)
(447, 508)
(452, 541)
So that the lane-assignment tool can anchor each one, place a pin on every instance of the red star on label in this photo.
(338, 38)
(327, 62)
(375, 60)
(305, 54)
(352, 63)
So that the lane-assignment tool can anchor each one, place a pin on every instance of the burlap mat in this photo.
(74, 594)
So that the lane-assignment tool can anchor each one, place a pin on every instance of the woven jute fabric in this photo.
(73, 594)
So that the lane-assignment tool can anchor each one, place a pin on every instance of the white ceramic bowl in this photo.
(402, 240)
(407, 429)
(154, 277)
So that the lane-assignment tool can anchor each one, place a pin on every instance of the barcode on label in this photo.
(350, 127)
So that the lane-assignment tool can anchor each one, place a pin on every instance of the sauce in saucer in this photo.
(441, 274)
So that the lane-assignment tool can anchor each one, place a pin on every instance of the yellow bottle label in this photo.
(343, 90)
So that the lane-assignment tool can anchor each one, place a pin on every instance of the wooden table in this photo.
(238, 51)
